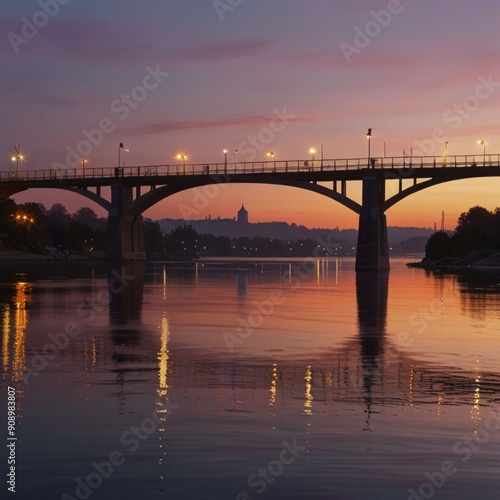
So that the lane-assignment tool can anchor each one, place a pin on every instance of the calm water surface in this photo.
(239, 380)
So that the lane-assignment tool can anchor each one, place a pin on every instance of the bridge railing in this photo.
(260, 167)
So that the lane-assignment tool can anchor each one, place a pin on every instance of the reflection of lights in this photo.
(20, 322)
(163, 359)
(411, 385)
(476, 406)
(5, 338)
(439, 403)
(274, 381)
(308, 395)
(162, 411)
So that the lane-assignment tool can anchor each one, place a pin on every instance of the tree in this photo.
(475, 229)
(154, 239)
(438, 245)
(58, 214)
(184, 241)
(86, 215)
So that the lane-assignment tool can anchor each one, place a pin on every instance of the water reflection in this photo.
(241, 281)
(371, 295)
(15, 319)
(126, 288)
(14, 325)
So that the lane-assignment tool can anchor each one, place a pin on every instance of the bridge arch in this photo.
(390, 202)
(4, 193)
(147, 200)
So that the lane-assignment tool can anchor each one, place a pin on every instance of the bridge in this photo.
(133, 190)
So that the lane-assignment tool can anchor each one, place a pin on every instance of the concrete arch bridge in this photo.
(135, 189)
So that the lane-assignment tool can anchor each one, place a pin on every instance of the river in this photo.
(269, 379)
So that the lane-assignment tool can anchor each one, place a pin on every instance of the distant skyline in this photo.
(197, 77)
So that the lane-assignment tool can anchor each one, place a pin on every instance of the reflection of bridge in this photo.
(128, 199)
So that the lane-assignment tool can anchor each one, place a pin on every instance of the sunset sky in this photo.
(203, 76)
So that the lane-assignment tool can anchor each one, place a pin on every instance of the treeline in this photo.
(184, 241)
(31, 227)
(477, 229)
(34, 228)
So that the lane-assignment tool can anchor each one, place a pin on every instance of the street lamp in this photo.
(119, 151)
(271, 155)
(18, 156)
(26, 220)
(482, 143)
(369, 137)
(182, 157)
(225, 160)
(84, 160)
(312, 152)
(321, 156)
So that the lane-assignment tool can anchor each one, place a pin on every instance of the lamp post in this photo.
(271, 155)
(369, 137)
(25, 220)
(225, 160)
(84, 160)
(235, 159)
(312, 152)
(321, 156)
(482, 143)
(182, 157)
(120, 147)
(18, 156)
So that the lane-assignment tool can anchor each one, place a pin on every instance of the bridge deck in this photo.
(317, 170)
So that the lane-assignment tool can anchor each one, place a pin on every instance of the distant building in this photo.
(242, 215)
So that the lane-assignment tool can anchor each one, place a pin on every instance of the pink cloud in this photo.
(243, 121)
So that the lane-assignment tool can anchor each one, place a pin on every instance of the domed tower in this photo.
(243, 215)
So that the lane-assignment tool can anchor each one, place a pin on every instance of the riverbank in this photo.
(475, 260)
(18, 256)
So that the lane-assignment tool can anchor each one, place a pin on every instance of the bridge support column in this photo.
(373, 246)
(125, 236)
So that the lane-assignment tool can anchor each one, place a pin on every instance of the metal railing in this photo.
(262, 167)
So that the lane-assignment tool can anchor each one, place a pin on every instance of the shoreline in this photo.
(473, 262)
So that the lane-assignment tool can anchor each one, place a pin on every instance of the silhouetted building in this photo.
(242, 215)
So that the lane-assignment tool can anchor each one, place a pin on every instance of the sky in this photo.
(198, 77)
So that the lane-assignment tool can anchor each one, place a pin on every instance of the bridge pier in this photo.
(124, 235)
(372, 252)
